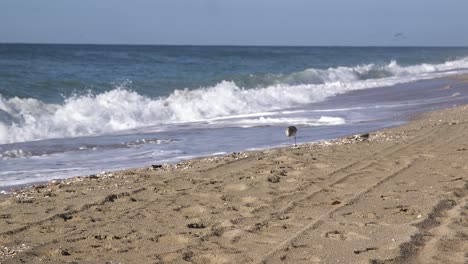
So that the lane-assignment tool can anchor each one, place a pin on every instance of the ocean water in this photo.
(69, 110)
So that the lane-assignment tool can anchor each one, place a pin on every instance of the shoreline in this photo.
(397, 195)
(27, 179)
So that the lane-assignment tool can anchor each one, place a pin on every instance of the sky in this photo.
(237, 22)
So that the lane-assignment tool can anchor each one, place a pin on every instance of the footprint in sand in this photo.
(364, 250)
(368, 215)
(335, 234)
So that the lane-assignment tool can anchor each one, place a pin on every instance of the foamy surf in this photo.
(26, 119)
(271, 121)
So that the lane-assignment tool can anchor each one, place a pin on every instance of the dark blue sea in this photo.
(70, 110)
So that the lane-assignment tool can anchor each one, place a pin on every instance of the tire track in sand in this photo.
(317, 221)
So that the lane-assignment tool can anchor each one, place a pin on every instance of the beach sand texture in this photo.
(397, 196)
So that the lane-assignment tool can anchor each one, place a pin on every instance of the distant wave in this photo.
(360, 73)
(120, 109)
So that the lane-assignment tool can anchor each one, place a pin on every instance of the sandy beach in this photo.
(392, 196)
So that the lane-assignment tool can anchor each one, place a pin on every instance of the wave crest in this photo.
(120, 109)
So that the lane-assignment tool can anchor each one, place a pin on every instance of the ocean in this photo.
(75, 110)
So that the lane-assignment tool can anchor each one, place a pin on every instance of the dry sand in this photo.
(398, 196)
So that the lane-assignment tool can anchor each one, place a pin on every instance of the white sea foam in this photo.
(120, 109)
(268, 121)
(15, 153)
(331, 120)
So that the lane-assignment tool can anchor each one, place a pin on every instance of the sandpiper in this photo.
(291, 132)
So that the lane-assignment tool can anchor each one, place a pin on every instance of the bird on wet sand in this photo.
(291, 132)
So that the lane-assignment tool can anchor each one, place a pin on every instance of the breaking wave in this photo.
(120, 109)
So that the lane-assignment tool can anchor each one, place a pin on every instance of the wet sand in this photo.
(396, 196)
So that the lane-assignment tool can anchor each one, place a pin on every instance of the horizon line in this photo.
(237, 45)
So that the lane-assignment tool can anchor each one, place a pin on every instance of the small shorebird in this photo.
(291, 132)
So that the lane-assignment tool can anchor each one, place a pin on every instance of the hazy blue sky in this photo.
(236, 22)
